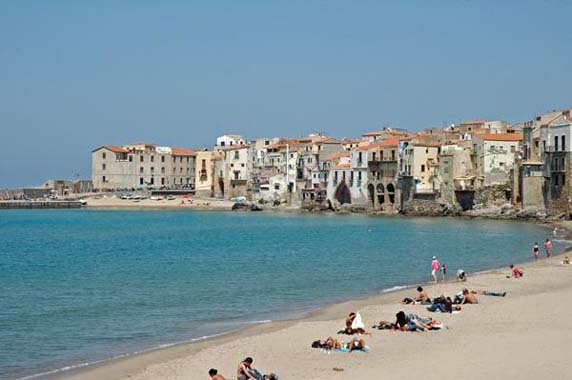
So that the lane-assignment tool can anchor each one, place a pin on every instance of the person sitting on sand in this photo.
(422, 298)
(468, 297)
(246, 372)
(214, 375)
(515, 271)
(354, 325)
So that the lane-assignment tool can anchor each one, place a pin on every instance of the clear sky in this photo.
(75, 75)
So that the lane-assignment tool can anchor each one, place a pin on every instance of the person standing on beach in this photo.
(434, 268)
(535, 250)
(548, 247)
(444, 271)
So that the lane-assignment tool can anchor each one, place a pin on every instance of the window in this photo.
(163, 181)
(130, 158)
(563, 138)
(242, 165)
(555, 143)
(381, 155)
(141, 159)
(180, 159)
(359, 176)
(152, 181)
(556, 180)
(103, 167)
(187, 159)
(222, 143)
(141, 181)
(103, 155)
(512, 149)
(393, 155)
(152, 169)
(422, 168)
(373, 156)
(141, 170)
(563, 179)
(276, 186)
(103, 179)
(236, 155)
(162, 170)
(152, 158)
(232, 165)
(359, 157)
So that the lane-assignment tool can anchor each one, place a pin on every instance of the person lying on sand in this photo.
(422, 298)
(333, 343)
(411, 322)
(214, 375)
(444, 305)
(489, 293)
(357, 344)
(384, 325)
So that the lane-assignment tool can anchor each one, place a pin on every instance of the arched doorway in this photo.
(371, 193)
(391, 193)
(380, 194)
(343, 194)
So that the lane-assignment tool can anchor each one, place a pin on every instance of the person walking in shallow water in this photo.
(548, 247)
(434, 268)
(535, 250)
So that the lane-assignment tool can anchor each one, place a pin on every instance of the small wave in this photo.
(395, 288)
(63, 369)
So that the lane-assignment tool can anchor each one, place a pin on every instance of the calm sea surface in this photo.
(78, 286)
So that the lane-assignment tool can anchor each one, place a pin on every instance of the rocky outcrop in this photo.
(419, 207)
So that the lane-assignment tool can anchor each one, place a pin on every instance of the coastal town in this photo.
(475, 168)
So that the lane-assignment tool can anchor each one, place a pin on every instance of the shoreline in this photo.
(129, 365)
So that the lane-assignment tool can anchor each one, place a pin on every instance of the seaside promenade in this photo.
(524, 335)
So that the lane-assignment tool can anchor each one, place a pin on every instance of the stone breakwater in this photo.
(39, 204)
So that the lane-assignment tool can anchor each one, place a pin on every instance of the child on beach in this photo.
(444, 271)
(535, 250)
(516, 273)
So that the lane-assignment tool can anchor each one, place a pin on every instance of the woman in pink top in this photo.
(434, 268)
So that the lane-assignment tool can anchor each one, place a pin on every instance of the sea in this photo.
(79, 287)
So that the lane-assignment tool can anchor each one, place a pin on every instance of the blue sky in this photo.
(75, 75)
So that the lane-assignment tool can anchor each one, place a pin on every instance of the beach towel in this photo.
(358, 323)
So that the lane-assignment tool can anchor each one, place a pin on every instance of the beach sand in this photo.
(198, 204)
(525, 335)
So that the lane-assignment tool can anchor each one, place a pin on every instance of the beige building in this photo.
(420, 160)
(142, 166)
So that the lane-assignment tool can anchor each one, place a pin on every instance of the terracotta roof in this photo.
(374, 133)
(342, 166)
(334, 156)
(113, 148)
(183, 152)
(392, 141)
(501, 136)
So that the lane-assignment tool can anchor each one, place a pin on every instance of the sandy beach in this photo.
(524, 335)
(196, 204)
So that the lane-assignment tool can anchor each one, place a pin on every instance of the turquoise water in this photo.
(80, 286)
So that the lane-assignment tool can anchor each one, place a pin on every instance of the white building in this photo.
(229, 140)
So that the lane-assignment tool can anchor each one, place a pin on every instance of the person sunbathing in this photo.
(214, 375)
(468, 297)
(246, 372)
(332, 344)
(444, 305)
(489, 293)
(422, 298)
(357, 344)
(354, 325)
(411, 322)
(384, 325)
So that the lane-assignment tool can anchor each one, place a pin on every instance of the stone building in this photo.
(235, 171)
(142, 166)
(382, 176)
(495, 156)
(419, 162)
